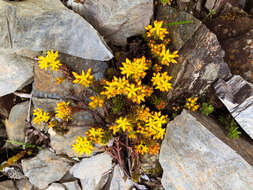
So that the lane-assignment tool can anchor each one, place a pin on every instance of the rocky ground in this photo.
(215, 64)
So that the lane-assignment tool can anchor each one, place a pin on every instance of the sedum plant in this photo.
(133, 97)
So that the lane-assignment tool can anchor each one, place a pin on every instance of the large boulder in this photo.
(116, 20)
(48, 25)
(193, 158)
(237, 95)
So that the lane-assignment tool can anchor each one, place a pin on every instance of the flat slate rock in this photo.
(45, 168)
(237, 95)
(193, 158)
(15, 71)
(116, 20)
(48, 25)
(91, 171)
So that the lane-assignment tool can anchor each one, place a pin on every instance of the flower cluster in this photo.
(63, 111)
(82, 145)
(85, 144)
(191, 104)
(96, 101)
(84, 79)
(135, 68)
(49, 61)
(123, 124)
(161, 81)
(157, 31)
(159, 43)
(122, 86)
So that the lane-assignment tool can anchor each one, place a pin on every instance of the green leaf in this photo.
(206, 109)
(179, 22)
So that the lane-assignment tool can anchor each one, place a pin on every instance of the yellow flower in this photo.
(114, 129)
(54, 64)
(40, 116)
(136, 68)
(115, 87)
(157, 30)
(96, 101)
(154, 149)
(51, 124)
(161, 81)
(63, 111)
(43, 62)
(82, 145)
(191, 104)
(124, 124)
(49, 60)
(84, 79)
(59, 80)
(167, 57)
(95, 135)
(141, 148)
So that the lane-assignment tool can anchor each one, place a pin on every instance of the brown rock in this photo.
(231, 22)
(239, 55)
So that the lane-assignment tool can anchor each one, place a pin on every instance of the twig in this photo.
(23, 95)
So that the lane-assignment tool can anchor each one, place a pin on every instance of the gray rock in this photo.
(45, 168)
(91, 171)
(47, 24)
(15, 71)
(7, 185)
(237, 95)
(200, 61)
(179, 34)
(72, 185)
(45, 81)
(62, 144)
(116, 20)
(118, 182)
(210, 4)
(24, 184)
(193, 158)
(16, 124)
(56, 186)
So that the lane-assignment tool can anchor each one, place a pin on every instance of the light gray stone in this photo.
(116, 20)
(193, 158)
(45, 168)
(237, 95)
(118, 182)
(16, 124)
(15, 71)
(23, 184)
(73, 185)
(7, 185)
(48, 25)
(56, 186)
(91, 171)
(62, 144)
